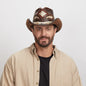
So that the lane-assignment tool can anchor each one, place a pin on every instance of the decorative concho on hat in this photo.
(44, 16)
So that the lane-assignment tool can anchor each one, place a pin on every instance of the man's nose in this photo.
(43, 33)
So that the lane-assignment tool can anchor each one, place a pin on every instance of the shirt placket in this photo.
(36, 70)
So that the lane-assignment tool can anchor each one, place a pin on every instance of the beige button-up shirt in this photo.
(23, 68)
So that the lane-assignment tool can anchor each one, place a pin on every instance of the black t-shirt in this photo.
(44, 71)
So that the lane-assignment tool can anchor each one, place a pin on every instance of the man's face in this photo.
(44, 35)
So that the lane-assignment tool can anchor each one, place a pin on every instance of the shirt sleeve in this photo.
(76, 76)
(7, 78)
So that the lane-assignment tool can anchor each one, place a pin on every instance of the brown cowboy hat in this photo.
(44, 17)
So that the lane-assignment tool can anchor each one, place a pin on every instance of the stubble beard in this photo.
(44, 44)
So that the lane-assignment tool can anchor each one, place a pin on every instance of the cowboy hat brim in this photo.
(57, 22)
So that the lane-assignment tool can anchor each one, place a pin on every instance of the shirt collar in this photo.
(33, 50)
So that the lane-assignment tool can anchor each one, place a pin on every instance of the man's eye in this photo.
(48, 28)
(38, 28)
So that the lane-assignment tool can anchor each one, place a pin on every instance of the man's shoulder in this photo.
(20, 56)
(62, 53)
(21, 53)
(67, 62)
(64, 57)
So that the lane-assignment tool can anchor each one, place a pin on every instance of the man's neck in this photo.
(44, 51)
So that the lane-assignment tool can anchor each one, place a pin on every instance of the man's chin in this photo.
(43, 45)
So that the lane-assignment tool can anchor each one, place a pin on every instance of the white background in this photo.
(15, 36)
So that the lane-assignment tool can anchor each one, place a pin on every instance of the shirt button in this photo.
(37, 70)
(37, 59)
(37, 83)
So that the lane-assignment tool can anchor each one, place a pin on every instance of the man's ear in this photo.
(32, 29)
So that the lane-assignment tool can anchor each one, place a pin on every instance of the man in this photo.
(41, 64)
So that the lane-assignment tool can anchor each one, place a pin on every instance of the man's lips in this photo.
(43, 39)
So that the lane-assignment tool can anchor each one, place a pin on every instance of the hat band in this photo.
(39, 23)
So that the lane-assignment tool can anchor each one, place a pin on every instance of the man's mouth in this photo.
(43, 39)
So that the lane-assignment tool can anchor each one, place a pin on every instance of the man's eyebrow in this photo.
(38, 27)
